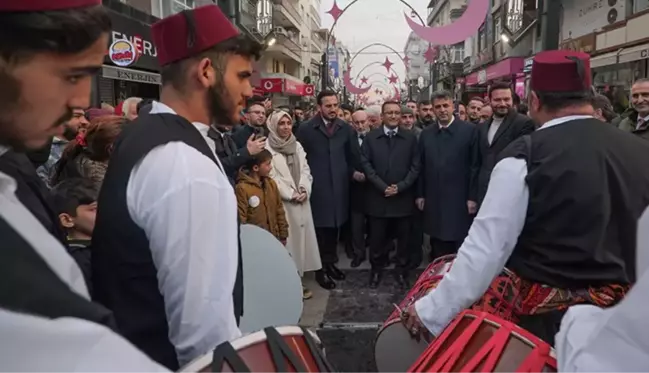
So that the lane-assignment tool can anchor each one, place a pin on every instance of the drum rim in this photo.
(247, 341)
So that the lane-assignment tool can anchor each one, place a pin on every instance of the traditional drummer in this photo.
(165, 245)
(560, 211)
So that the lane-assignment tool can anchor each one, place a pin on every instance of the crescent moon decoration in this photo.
(456, 32)
(336, 13)
(347, 81)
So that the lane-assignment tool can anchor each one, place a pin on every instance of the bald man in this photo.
(361, 124)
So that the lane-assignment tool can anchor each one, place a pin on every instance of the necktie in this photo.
(391, 133)
(330, 128)
(641, 123)
(361, 136)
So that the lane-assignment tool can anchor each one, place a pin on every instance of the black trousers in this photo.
(416, 241)
(544, 326)
(441, 248)
(328, 244)
(381, 232)
(357, 231)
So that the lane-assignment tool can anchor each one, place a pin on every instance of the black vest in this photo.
(28, 284)
(123, 274)
(588, 183)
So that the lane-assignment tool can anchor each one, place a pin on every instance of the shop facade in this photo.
(509, 70)
(130, 68)
(284, 89)
(620, 57)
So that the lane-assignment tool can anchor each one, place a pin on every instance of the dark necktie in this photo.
(361, 136)
(330, 128)
(391, 133)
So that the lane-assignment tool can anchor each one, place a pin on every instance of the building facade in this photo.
(418, 73)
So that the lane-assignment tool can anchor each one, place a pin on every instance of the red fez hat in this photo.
(44, 5)
(561, 71)
(190, 32)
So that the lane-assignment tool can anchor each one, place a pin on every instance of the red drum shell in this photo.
(254, 350)
(481, 342)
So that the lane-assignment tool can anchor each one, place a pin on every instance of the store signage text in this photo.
(131, 75)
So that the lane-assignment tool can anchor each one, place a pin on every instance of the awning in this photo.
(287, 86)
(605, 59)
(639, 52)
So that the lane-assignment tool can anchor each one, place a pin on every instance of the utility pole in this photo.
(324, 76)
(550, 26)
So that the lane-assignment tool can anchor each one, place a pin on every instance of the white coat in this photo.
(301, 243)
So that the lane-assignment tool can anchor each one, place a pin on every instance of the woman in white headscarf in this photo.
(293, 177)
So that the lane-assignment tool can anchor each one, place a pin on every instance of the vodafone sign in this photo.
(286, 86)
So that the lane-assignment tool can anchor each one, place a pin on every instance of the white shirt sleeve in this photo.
(36, 344)
(190, 218)
(592, 339)
(482, 256)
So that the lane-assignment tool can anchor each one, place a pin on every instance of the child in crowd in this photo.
(75, 203)
(258, 197)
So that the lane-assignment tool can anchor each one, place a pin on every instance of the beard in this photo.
(69, 133)
(219, 104)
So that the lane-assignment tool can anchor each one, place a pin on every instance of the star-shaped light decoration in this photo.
(387, 64)
(430, 54)
(393, 79)
(377, 91)
(363, 80)
(335, 11)
(406, 61)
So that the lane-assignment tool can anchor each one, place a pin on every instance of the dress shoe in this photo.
(402, 280)
(323, 279)
(357, 262)
(334, 272)
(375, 279)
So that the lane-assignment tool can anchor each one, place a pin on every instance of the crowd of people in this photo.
(148, 197)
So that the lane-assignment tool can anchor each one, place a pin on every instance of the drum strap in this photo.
(323, 365)
(225, 353)
(279, 349)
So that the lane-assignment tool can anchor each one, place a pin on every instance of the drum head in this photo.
(395, 350)
(272, 288)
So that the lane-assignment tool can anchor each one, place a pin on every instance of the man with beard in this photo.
(327, 141)
(485, 113)
(71, 129)
(473, 109)
(425, 114)
(255, 127)
(165, 245)
(298, 118)
(408, 120)
(49, 51)
(505, 126)
(355, 244)
(561, 211)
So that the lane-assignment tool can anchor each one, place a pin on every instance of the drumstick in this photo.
(402, 313)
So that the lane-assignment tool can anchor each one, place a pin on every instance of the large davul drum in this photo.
(282, 349)
(395, 350)
(480, 342)
(272, 289)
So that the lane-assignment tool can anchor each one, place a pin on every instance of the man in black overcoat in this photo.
(327, 142)
(391, 164)
(505, 126)
(448, 180)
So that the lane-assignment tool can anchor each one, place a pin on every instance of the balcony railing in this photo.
(288, 47)
(258, 24)
(289, 11)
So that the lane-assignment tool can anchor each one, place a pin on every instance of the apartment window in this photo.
(276, 66)
(458, 53)
(180, 5)
(482, 39)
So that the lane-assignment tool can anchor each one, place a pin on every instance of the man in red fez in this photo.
(166, 258)
(560, 211)
(49, 51)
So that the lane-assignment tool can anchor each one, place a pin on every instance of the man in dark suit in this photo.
(358, 189)
(448, 180)
(391, 164)
(327, 142)
(505, 126)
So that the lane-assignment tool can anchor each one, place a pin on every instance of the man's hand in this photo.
(255, 145)
(301, 198)
(419, 202)
(295, 197)
(391, 190)
(413, 323)
(359, 176)
(472, 207)
(268, 104)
